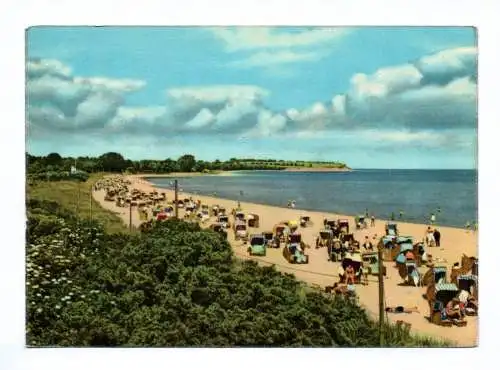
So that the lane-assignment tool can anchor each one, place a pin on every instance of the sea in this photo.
(412, 195)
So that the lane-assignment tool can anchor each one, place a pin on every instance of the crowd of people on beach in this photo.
(456, 308)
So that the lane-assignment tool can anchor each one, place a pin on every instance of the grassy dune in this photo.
(76, 197)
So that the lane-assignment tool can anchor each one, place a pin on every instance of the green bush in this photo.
(174, 285)
(58, 176)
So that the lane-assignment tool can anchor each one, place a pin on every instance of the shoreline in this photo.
(227, 173)
(321, 272)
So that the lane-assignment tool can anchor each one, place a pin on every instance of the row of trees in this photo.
(115, 162)
(175, 285)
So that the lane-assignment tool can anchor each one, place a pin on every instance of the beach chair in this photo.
(469, 283)
(325, 238)
(257, 245)
(443, 293)
(294, 250)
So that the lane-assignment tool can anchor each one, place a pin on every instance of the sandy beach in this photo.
(321, 272)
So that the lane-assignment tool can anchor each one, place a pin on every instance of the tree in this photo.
(53, 159)
(112, 162)
(186, 163)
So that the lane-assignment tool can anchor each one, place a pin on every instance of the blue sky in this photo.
(373, 97)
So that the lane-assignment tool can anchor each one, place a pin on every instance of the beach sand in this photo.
(320, 271)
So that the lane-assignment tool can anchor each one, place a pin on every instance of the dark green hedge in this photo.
(175, 285)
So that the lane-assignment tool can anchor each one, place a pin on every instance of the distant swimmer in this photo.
(433, 218)
(293, 204)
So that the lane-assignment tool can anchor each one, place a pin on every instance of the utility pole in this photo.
(91, 197)
(78, 201)
(176, 189)
(381, 299)
(130, 216)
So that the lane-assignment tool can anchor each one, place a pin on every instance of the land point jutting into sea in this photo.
(251, 187)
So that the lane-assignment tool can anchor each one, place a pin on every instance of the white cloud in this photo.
(202, 119)
(117, 85)
(457, 61)
(403, 102)
(217, 94)
(385, 81)
(150, 114)
(267, 58)
(317, 110)
(41, 67)
(338, 104)
(244, 38)
(72, 102)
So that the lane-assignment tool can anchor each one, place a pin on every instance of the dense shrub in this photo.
(58, 176)
(176, 285)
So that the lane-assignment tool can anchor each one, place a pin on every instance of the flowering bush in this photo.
(174, 285)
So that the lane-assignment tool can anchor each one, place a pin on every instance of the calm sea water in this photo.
(417, 193)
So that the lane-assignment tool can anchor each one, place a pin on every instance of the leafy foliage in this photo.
(54, 164)
(174, 285)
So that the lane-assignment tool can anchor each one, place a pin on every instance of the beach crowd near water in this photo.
(431, 280)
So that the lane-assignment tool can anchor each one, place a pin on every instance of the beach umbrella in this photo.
(293, 223)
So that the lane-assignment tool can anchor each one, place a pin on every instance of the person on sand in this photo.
(430, 241)
(372, 223)
(368, 244)
(401, 309)
(337, 288)
(433, 218)
(437, 237)
(467, 226)
(452, 309)
(366, 212)
(410, 256)
(349, 275)
(293, 204)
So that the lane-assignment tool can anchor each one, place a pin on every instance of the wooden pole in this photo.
(78, 201)
(91, 191)
(130, 217)
(176, 188)
(381, 299)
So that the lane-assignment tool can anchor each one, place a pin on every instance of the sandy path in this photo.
(322, 272)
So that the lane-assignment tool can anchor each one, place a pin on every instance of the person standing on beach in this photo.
(366, 212)
(372, 223)
(393, 217)
(368, 244)
(401, 213)
(467, 226)
(433, 218)
(437, 237)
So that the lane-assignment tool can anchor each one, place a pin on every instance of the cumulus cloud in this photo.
(58, 101)
(46, 67)
(403, 103)
(436, 92)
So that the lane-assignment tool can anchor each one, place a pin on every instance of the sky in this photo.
(371, 97)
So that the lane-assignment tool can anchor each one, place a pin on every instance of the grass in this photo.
(75, 196)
